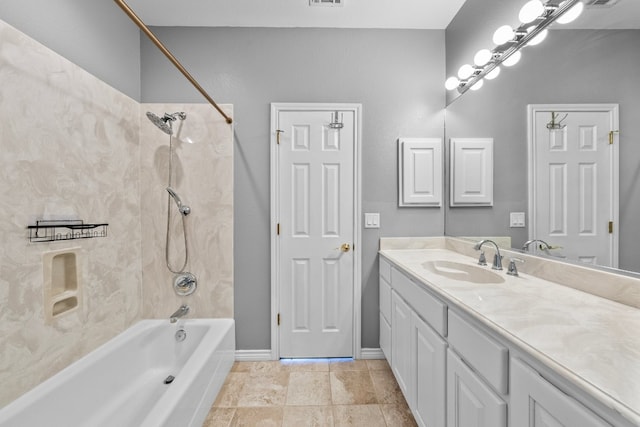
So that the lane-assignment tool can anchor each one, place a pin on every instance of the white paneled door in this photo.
(575, 184)
(315, 221)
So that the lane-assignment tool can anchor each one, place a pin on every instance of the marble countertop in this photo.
(591, 341)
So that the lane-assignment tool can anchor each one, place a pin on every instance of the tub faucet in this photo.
(497, 258)
(182, 311)
(543, 245)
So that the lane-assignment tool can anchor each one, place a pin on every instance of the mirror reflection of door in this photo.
(573, 182)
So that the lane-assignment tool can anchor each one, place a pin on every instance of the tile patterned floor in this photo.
(313, 393)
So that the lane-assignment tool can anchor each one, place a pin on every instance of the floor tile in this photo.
(258, 417)
(386, 387)
(264, 390)
(306, 365)
(352, 388)
(378, 365)
(358, 416)
(309, 388)
(348, 365)
(269, 367)
(231, 390)
(219, 417)
(398, 415)
(308, 416)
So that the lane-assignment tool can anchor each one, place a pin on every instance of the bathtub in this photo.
(126, 382)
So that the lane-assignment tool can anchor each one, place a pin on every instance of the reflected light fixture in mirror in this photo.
(535, 16)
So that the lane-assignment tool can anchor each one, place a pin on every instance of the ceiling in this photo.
(402, 14)
(410, 14)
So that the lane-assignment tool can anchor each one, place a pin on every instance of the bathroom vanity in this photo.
(472, 346)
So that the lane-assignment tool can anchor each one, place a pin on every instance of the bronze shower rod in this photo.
(131, 14)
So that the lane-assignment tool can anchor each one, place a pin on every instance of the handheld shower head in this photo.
(184, 209)
(164, 123)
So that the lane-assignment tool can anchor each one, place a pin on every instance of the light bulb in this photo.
(451, 83)
(482, 57)
(530, 11)
(492, 74)
(465, 72)
(503, 35)
(477, 85)
(513, 59)
(538, 38)
(571, 14)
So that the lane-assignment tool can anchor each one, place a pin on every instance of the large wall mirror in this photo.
(593, 61)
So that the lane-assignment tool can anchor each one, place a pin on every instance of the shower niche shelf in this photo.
(55, 230)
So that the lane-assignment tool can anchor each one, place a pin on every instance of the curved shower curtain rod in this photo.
(131, 14)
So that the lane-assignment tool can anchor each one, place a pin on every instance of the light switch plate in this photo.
(372, 220)
(516, 219)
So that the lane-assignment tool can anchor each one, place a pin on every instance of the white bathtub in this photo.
(122, 383)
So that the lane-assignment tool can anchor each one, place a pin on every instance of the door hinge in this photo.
(610, 227)
(611, 133)
(278, 229)
(278, 319)
(278, 132)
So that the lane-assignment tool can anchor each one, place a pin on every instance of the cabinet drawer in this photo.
(385, 299)
(384, 269)
(489, 358)
(385, 338)
(432, 310)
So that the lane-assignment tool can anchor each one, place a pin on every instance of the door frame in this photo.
(276, 108)
(613, 110)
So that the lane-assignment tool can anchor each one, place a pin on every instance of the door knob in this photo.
(345, 247)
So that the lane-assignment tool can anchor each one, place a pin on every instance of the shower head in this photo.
(164, 123)
(184, 209)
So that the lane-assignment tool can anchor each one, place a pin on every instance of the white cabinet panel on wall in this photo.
(420, 172)
(470, 402)
(471, 172)
(538, 403)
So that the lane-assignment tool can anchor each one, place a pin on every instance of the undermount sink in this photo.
(463, 272)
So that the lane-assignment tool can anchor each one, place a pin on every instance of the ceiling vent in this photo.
(594, 4)
(331, 3)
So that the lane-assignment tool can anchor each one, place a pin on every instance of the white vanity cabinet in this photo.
(537, 403)
(428, 361)
(418, 351)
(470, 402)
(457, 369)
(401, 346)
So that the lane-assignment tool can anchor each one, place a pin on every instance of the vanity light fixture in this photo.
(535, 16)
(513, 59)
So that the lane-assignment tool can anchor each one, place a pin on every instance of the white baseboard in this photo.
(253, 355)
(371, 353)
(264, 355)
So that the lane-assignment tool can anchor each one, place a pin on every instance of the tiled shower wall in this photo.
(202, 175)
(74, 147)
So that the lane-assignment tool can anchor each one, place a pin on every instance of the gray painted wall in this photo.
(397, 75)
(94, 34)
(571, 66)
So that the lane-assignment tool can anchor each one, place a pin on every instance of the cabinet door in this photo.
(401, 346)
(428, 355)
(470, 402)
(538, 403)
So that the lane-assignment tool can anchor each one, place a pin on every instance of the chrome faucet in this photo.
(182, 311)
(497, 258)
(543, 245)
